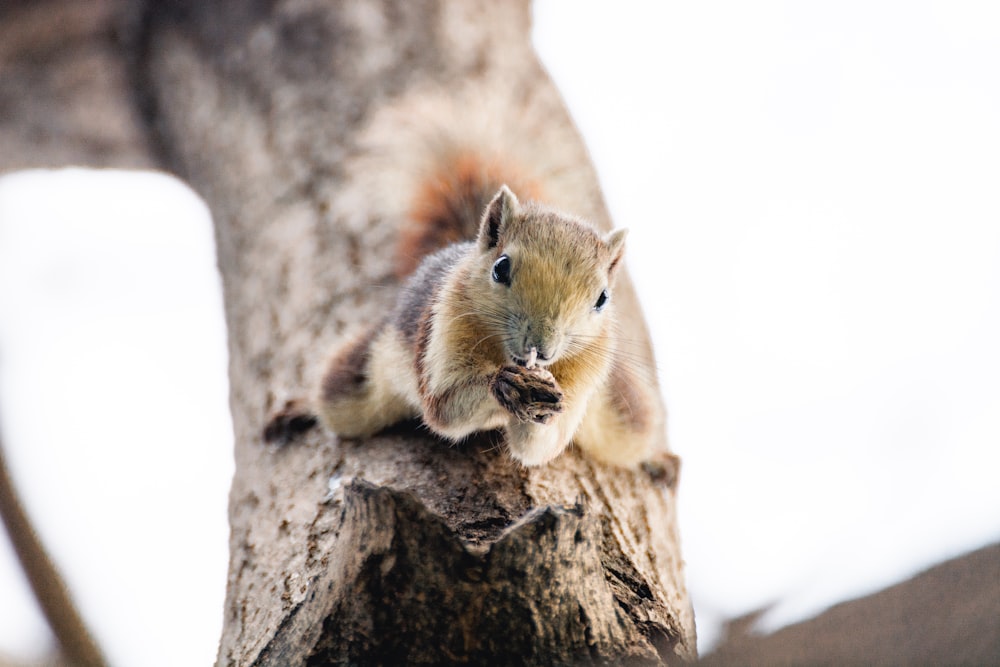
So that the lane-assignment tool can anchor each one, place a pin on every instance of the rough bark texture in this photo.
(287, 117)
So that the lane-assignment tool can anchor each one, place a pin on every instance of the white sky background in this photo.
(813, 196)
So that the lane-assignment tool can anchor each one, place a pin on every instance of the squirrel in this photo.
(512, 328)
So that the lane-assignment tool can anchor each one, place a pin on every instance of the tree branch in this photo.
(303, 125)
(76, 643)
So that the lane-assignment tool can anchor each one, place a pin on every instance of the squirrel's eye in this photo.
(602, 300)
(501, 270)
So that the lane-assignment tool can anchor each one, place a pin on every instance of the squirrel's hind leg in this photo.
(359, 393)
(622, 424)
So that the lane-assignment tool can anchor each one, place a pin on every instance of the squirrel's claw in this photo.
(529, 395)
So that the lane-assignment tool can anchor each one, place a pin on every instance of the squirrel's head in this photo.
(549, 277)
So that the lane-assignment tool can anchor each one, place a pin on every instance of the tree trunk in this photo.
(294, 121)
(399, 548)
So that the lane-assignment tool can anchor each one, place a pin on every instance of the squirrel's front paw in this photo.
(530, 395)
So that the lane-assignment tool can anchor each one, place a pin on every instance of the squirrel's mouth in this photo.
(533, 359)
(518, 361)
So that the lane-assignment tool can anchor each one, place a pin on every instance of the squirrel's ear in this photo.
(616, 248)
(498, 213)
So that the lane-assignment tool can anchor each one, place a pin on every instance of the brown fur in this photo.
(624, 393)
(432, 404)
(449, 202)
(346, 371)
(460, 345)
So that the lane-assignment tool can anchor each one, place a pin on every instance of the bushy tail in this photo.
(449, 203)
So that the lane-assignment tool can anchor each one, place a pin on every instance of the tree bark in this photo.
(293, 119)
(400, 548)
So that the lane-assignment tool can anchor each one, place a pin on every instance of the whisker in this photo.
(482, 340)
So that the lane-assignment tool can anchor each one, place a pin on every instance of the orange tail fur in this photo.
(450, 201)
